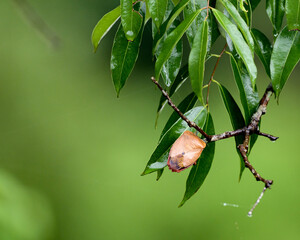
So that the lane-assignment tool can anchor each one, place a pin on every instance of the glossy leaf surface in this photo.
(159, 157)
(199, 171)
(131, 19)
(104, 25)
(240, 45)
(186, 104)
(197, 60)
(171, 41)
(236, 118)
(292, 8)
(213, 32)
(242, 25)
(180, 79)
(248, 95)
(263, 48)
(157, 9)
(275, 12)
(123, 58)
(285, 56)
(166, 25)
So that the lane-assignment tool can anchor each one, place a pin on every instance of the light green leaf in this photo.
(157, 9)
(131, 19)
(171, 42)
(104, 25)
(292, 9)
(275, 12)
(244, 28)
(240, 45)
(285, 56)
(159, 157)
(197, 60)
(199, 171)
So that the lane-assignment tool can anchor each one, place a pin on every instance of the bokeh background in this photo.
(71, 153)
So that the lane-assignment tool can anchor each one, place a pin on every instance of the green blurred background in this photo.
(71, 153)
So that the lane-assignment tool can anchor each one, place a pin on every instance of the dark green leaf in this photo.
(171, 42)
(197, 59)
(166, 25)
(244, 28)
(285, 56)
(159, 173)
(180, 79)
(123, 58)
(239, 43)
(293, 14)
(157, 9)
(186, 104)
(104, 25)
(131, 19)
(275, 11)
(199, 171)
(172, 65)
(159, 157)
(248, 96)
(213, 32)
(263, 48)
(236, 118)
(254, 4)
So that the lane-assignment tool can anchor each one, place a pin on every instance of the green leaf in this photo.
(172, 66)
(197, 60)
(236, 118)
(239, 43)
(159, 173)
(180, 79)
(186, 104)
(213, 32)
(131, 19)
(275, 12)
(104, 25)
(199, 171)
(263, 48)
(285, 56)
(248, 95)
(293, 14)
(159, 157)
(171, 42)
(123, 57)
(166, 25)
(254, 4)
(157, 9)
(244, 28)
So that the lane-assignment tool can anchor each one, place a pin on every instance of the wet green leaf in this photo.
(263, 48)
(285, 56)
(236, 118)
(213, 32)
(199, 171)
(123, 58)
(157, 9)
(240, 45)
(248, 95)
(104, 25)
(275, 12)
(131, 19)
(197, 60)
(171, 41)
(159, 157)
(186, 104)
(166, 25)
(180, 79)
(292, 8)
(241, 24)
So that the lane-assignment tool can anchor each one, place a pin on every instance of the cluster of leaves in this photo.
(202, 25)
